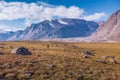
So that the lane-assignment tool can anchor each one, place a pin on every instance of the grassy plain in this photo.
(62, 61)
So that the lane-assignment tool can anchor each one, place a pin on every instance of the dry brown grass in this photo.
(62, 61)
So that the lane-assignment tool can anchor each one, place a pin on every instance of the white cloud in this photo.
(95, 16)
(4, 28)
(36, 12)
(71, 12)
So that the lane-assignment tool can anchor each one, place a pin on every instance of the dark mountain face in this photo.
(6, 35)
(57, 28)
(75, 28)
(15, 35)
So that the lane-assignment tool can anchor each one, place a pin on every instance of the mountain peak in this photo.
(118, 11)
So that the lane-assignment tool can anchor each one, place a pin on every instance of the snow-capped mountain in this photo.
(57, 28)
(69, 30)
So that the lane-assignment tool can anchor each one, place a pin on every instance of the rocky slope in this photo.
(110, 30)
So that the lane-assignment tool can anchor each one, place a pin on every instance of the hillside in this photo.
(110, 29)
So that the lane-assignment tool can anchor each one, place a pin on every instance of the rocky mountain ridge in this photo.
(110, 29)
(57, 28)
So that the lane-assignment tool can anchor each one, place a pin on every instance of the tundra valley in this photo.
(59, 39)
(59, 61)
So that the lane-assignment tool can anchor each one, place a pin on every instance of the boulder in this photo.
(1, 53)
(21, 50)
(107, 59)
(102, 61)
(87, 53)
(1, 47)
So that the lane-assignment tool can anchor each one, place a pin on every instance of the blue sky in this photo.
(92, 6)
(15, 14)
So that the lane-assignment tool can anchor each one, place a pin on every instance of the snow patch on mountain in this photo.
(62, 22)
